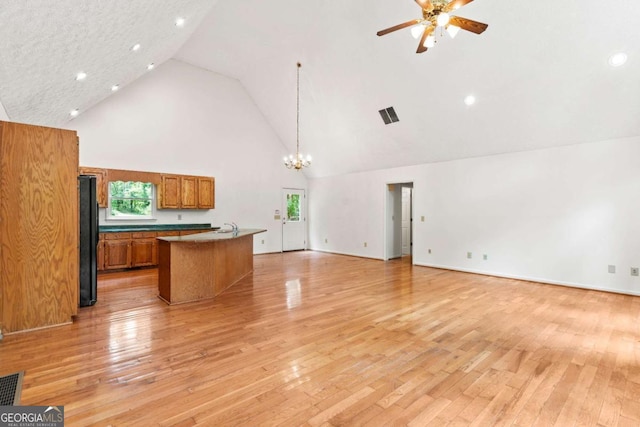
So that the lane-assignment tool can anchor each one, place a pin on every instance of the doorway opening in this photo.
(399, 220)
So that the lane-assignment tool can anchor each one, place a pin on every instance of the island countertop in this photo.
(213, 235)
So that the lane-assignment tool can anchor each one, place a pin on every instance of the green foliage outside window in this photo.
(131, 199)
(293, 207)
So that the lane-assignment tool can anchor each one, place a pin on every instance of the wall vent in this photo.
(388, 115)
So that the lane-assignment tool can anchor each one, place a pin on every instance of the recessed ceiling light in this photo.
(81, 76)
(180, 22)
(151, 66)
(74, 113)
(115, 88)
(617, 59)
(135, 47)
(470, 100)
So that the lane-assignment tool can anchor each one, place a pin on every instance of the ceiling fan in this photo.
(435, 13)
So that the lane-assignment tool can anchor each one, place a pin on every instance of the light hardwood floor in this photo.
(354, 342)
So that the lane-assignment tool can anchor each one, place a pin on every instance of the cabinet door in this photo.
(117, 254)
(144, 252)
(101, 183)
(189, 192)
(169, 195)
(206, 193)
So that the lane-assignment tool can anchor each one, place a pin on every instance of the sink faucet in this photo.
(233, 225)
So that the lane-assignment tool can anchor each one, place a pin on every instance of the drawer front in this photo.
(117, 236)
(168, 233)
(187, 232)
(144, 235)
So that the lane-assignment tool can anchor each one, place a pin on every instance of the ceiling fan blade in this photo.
(425, 5)
(425, 34)
(468, 24)
(399, 27)
(456, 4)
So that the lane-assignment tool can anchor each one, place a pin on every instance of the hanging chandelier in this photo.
(297, 161)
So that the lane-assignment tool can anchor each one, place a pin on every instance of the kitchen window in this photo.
(131, 200)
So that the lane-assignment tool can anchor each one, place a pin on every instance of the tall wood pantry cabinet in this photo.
(38, 226)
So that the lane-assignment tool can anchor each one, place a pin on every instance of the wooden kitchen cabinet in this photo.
(186, 192)
(169, 192)
(206, 193)
(102, 192)
(117, 251)
(168, 233)
(144, 249)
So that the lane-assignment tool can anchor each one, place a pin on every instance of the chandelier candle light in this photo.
(298, 161)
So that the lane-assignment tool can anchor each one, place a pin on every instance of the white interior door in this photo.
(294, 222)
(406, 221)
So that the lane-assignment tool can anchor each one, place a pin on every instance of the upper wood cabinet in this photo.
(186, 192)
(189, 192)
(169, 192)
(206, 193)
(101, 183)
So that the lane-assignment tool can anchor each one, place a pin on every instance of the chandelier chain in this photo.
(299, 161)
(298, 111)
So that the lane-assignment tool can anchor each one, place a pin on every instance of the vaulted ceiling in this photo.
(540, 72)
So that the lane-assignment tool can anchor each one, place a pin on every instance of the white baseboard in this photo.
(530, 279)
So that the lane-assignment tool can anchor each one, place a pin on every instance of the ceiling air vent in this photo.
(388, 115)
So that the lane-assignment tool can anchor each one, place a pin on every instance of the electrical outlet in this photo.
(469, 255)
(422, 218)
(179, 216)
(365, 244)
(634, 271)
(612, 269)
(326, 240)
(485, 257)
(263, 241)
(429, 250)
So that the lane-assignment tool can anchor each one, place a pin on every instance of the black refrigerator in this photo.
(88, 240)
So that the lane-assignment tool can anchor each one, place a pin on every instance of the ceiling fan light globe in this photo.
(453, 30)
(430, 42)
(443, 19)
(416, 31)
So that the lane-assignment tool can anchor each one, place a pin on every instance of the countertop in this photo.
(213, 236)
(154, 227)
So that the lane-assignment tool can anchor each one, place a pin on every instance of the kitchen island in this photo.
(201, 266)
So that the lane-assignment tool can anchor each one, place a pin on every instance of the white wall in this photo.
(3, 113)
(559, 215)
(186, 120)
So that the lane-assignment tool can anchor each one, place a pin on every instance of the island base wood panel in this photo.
(193, 271)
